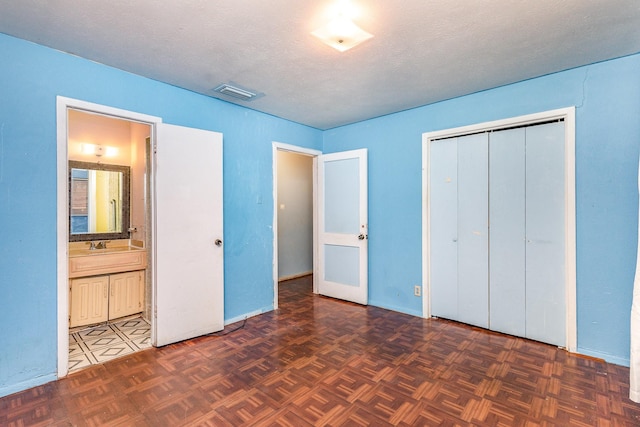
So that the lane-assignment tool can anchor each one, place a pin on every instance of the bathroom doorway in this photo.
(175, 313)
(110, 282)
(99, 138)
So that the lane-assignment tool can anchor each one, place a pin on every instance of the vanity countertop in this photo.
(82, 248)
(97, 252)
(118, 256)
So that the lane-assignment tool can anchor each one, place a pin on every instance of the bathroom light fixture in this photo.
(88, 149)
(341, 33)
(236, 92)
(98, 150)
(110, 151)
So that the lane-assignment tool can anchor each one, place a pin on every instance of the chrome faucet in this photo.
(98, 245)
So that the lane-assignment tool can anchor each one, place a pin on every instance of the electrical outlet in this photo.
(417, 290)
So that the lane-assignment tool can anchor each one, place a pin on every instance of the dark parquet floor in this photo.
(318, 361)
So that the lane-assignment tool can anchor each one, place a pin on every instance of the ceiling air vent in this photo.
(235, 92)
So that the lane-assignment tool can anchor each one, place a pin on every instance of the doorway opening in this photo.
(294, 214)
(103, 232)
(109, 310)
(176, 313)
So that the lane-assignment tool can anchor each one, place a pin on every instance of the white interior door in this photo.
(342, 224)
(188, 255)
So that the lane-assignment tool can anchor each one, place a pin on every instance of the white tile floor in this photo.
(98, 344)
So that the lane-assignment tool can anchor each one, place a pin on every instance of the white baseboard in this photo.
(248, 315)
(295, 276)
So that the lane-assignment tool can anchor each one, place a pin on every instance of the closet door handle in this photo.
(218, 242)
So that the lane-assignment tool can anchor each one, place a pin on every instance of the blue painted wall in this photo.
(607, 97)
(31, 77)
(607, 100)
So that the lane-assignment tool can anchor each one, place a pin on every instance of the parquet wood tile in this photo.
(323, 362)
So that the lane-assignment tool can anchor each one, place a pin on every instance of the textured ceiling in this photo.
(423, 51)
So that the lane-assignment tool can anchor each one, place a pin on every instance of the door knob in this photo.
(361, 237)
(218, 242)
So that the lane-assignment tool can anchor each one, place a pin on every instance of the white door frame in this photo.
(279, 146)
(62, 197)
(566, 114)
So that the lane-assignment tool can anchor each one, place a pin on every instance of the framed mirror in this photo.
(98, 201)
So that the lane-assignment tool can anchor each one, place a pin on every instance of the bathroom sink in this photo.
(115, 259)
(90, 252)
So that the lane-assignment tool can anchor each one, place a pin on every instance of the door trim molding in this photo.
(63, 104)
(566, 114)
(279, 146)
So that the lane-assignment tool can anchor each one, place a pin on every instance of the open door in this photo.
(342, 225)
(188, 254)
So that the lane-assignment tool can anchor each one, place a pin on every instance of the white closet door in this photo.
(545, 263)
(443, 228)
(507, 225)
(473, 235)
(496, 231)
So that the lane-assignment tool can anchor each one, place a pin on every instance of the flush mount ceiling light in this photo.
(236, 92)
(341, 33)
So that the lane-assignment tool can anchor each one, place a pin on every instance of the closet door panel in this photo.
(507, 231)
(545, 264)
(443, 211)
(473, 250)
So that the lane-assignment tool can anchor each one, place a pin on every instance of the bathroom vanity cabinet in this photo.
(88, 300)
(105, 284)
(97, 299)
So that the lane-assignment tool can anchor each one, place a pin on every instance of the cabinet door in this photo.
(89, 300)
(126, 294)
